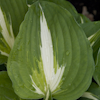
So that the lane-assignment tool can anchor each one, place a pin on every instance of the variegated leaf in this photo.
(7, 36)
(11, 15)
(89, 96)
(93, 93)
(97, 69)
(66, 5)
(51, 56)
(91, 28)
(16, 10)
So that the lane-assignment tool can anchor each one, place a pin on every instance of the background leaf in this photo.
(66, 5)
(92, 31)
(6, 90)
(12, 14)
(93, 92)
(16, 9)
(82, 19)
(90, 28)
(97, 69)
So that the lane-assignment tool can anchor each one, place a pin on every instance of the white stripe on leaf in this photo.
(36, 88)
(4, 53)
(53, 79)
(89, 96)
(5, 33)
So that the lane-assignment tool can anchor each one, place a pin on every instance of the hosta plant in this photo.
(48, 50)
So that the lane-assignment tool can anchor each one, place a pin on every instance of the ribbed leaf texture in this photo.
(51, 57)
(97, 69)
(16, 9)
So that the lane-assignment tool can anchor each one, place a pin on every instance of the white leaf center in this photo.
(53, 79)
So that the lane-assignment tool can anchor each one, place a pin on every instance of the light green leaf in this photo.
(6, 90)
(48, 57)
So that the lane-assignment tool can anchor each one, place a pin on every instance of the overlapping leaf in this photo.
(96, 46)
(90, 28)
(82, 19)
(97, 69)
(51, 55)
(6, 90)
(12, 13)
(92, 31)
(93, 93)
(66, 5)
(16, 9)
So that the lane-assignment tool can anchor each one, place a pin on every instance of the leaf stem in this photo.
(48, 95)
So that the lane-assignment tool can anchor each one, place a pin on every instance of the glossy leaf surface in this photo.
(48, 56)
(92, 31)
